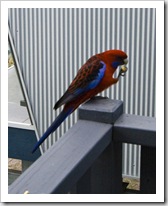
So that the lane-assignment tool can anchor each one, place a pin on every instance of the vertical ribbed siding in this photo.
(52, 44)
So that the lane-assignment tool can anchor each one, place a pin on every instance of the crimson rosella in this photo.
(94, 76)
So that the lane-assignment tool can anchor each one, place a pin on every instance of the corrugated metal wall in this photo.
(52, 44)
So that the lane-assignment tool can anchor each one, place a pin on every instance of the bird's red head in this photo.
(114, 57)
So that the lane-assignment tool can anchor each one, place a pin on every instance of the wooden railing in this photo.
(88, 158)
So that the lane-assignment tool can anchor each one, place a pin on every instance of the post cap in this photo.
(101, 109)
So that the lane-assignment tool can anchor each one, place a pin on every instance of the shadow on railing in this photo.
(88, 158)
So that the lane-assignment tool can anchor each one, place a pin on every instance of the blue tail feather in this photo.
(62, 116)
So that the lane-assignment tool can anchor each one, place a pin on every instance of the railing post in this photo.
(105, 176)
(148, 170)
(84, 184)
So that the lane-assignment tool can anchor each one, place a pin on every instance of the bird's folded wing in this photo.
(88, 77)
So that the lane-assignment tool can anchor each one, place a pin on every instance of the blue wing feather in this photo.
(92, 84)
(88, 77)
(98, 78)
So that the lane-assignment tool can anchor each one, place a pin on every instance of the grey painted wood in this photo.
(136, 130)
(105, 175)
(106, 172)
(148, 171)
(66, 161)
(90, 153)
(21, 140)
(101, 109)
(83, 186)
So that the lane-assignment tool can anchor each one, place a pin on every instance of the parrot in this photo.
(92, 78)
